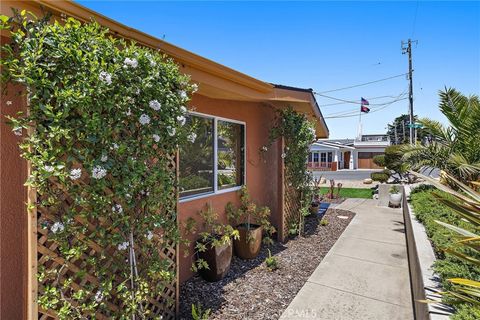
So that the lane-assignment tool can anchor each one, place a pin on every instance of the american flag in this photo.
(364, 105)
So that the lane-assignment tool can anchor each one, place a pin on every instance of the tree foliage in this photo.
(454, 148)
(399, 132)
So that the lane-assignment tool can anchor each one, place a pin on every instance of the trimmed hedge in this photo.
(379, 176)
(427, 210)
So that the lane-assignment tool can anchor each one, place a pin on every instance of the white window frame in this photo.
(215, 160)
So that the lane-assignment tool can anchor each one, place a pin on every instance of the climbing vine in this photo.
(298, 133)
(104, 118)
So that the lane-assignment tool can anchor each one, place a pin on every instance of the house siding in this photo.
(13, 213)
(262, 176)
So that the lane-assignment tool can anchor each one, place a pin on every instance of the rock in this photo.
(323, 180)
(367, 181)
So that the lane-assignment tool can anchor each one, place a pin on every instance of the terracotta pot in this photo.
(218, 259)
(250, 241)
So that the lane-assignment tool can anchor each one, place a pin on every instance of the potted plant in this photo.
(213, 249)
(315, 205)
(251, 222)
(395, 196)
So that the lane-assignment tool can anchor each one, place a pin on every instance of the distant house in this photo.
(351, 154)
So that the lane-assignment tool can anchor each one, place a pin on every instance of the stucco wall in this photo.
(13, 222)
(262, 174)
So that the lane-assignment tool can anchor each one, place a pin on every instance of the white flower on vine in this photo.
(194, 88)
(152, 63)
(99, 172)
(128, 196)
(75, 174)
(130, 63)
(192, 137)
(171, 131)
(18, 131)
(156, 137)
(123, 245)
(104, 158)
(57, 227)
(99, 296)
(114, 146)
(144, 119)
(183, 109)
(149, 235)
(117, 208)
(264, 148)
(49, 168)
(128, 112)
(182, 120)
(106, 77)
(155, 105)
(183, 94)
(284, 155)
(137, 92)
(9, 103)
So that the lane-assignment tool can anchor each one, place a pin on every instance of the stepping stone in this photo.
(342, 217)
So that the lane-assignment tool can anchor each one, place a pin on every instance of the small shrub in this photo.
(379, 176)
(293, 229)
(271, 261)
(394, 189)
(379, 160)
(324, 222)
(198, 313)
(387, 172)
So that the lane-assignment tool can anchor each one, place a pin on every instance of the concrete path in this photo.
(365, 274)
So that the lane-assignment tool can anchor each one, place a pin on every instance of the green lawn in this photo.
(350, 192)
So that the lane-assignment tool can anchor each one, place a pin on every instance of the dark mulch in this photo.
(250, 290)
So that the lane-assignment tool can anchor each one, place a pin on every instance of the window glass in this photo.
(329, 157)
(323, 157)
(230, 154)
(310, 157)
(315, 157)
(196, 158)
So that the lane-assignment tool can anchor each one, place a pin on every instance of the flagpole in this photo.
(359, 133)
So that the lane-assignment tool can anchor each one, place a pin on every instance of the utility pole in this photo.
(407, 48)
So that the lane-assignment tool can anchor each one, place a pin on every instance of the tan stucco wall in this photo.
(262, 174)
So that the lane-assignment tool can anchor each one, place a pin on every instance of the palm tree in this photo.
(455, 148)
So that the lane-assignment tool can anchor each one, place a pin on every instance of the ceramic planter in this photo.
(395, 199)
(250, 241)
(218, 259)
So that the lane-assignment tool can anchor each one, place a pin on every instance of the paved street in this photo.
(344, 174)
(365, 275)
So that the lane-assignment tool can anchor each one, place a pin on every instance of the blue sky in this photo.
(327, 45)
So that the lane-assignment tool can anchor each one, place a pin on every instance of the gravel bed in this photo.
(250, 291)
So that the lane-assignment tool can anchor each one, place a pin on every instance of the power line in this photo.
(362, 84)
(368, 98)
(400, 96)
(354, 102)
(356, 112)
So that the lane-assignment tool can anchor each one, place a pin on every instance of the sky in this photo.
(327, 46)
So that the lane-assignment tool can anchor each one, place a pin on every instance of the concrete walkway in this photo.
(365, 274)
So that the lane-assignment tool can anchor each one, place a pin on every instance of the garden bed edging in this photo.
(421, 257)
